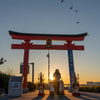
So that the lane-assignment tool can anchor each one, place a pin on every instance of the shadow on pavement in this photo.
(60, 97)
(8, 98)
(90, 96)
(38, 98)
(82, 98)
(57, 97)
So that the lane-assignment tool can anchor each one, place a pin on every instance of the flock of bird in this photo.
(71, 9)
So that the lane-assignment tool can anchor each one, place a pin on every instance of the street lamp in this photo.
(21, 70)
(32, 72)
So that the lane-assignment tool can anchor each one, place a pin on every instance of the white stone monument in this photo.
(15, 86)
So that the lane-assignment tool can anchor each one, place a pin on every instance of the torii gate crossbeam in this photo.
(27, 37)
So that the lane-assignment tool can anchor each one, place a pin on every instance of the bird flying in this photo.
(77, 22)
(71, 7)
(62, 1)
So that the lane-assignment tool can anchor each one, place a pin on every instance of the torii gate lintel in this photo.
(67, 46)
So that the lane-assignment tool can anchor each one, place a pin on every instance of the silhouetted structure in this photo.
(57, 77)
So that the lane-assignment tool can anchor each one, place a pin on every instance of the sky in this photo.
(52, 17)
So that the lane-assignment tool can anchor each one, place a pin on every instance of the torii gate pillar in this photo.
(71, 66)
(71, 62)
(25, 63)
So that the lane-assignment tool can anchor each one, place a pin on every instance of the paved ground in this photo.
(67, 96)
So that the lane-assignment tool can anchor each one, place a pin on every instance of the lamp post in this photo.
(32, 72)
(21, 70)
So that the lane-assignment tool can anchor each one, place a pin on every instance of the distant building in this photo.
(82, 84)
(91, 83)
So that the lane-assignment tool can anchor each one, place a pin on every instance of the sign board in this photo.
(76, 89)
(15, 85)
(40, 87)
(48, 42)
(71, 66)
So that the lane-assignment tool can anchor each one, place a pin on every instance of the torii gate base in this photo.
(25, 90)
(75, 94)
(27, 45)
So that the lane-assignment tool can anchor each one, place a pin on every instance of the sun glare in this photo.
(51, 77)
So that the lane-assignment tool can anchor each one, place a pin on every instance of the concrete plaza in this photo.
(67, 96)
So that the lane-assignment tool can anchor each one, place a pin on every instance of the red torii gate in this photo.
(27, 37)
